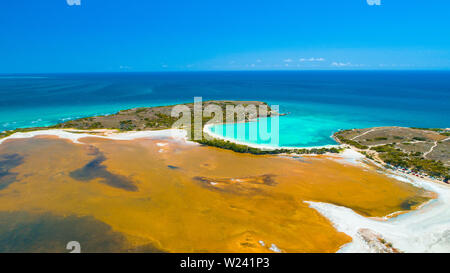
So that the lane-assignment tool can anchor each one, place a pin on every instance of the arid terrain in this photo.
(147, 118)
(421, 150)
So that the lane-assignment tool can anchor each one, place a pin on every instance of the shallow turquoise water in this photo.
(312, 124)
(306, 125)
(318, 103)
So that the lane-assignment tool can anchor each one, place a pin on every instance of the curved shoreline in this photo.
(207, 130)
(74, 135)
(425, 229)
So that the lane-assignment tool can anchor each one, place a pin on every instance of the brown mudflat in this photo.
(188, 198)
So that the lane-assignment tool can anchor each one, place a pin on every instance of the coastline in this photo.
(207, 130)
(156, 165)
(75, 135)
(399, 228)
(423, 229)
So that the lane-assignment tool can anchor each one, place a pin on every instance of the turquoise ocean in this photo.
(318, 103)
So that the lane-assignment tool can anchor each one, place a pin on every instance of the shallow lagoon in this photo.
(209, 200)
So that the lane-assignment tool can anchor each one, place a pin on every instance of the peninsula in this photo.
(423, 152)
(159, 118)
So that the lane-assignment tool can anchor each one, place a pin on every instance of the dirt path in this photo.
(431, 149)
(371, 130)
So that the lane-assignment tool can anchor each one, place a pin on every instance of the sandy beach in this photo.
(207, 130)
(426, 229)
(76, 135)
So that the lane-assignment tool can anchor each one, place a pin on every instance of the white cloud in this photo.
(312, 60)
(73, 2)
(125, 67)
(288, 61)
(340, 64)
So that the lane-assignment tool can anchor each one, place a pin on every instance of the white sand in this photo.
(349, 156)
(274, 248)
(175, 134)
(424, 230)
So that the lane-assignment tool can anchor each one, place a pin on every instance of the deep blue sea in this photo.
(319, 103)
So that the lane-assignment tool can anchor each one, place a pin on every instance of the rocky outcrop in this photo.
(376, 242)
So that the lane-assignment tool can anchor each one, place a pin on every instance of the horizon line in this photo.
(244, 71)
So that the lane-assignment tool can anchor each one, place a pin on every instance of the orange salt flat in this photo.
(190, 198)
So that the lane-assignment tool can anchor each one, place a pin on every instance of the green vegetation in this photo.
(140, 110)
(367, 155)
(225, 144)
(351, 142)
(94, 125)
(377, 139)
(439, 130)
(165, 120)
(391, 153)
(428, 129)
(127, 125)
(6, 134)
(396, 157)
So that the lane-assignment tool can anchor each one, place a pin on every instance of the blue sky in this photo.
(166, 35)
